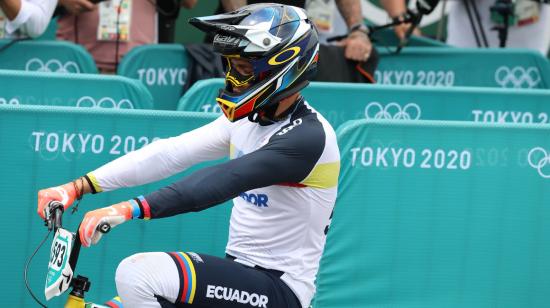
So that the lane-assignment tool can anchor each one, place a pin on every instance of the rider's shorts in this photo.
(199, 280)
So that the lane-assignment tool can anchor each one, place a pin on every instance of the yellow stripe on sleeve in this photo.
(323, 176)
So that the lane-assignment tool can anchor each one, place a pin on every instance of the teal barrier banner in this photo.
(343, 102)
(80, 90)
(46, 56)
(447, 67)
(162, 68)
(201, 97)
(439, 214)
(45, 146)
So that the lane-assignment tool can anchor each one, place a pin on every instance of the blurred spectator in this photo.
(472, 24)
(109, 29)
(354, 56)
(25, 18)
(358, 46)
(95, 27)
(327, 19)
(530, 28)
(396, 9)
(169, 11)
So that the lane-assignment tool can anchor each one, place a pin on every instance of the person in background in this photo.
(358, 46)
(530, 27)
(25, 18)
(169, 11)
(327, 19)
(94, 25)
(396, 9)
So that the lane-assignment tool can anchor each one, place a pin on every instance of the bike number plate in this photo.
(60, 272)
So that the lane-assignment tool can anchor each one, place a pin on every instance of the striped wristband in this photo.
(140, 208)
(136, 210)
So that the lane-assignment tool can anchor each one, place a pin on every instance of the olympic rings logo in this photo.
(12, 101)
(53, 66)
(539, 159)
(517, 77)
(392, 111)
(105, 102)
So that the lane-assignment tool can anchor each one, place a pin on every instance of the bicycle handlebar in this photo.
(54, 218)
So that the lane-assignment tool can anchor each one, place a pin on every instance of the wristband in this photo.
(144, 205)
(75, 187)
(79, 192)
(359, 27)
(136, 209)
(140, 208)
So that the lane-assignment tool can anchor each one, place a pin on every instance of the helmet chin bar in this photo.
(266, 115)
(227, 107)
(235, 111)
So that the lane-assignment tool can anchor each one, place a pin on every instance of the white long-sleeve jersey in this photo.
(282, 178)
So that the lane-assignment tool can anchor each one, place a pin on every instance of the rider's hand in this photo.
(401, 31)
(358, 46)
(65, 194)
(113, 215)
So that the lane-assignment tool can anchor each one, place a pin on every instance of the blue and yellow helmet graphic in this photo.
(278, 40)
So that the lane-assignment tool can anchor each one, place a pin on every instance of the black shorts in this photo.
(224, 283)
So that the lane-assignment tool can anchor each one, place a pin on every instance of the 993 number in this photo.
(57, 254)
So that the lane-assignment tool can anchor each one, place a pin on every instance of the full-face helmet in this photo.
(280, 43)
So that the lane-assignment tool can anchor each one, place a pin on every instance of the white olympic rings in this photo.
(104, 102)
(539, 158)
(517, 77)
(12, 101)
(52, 65)
(376, 110)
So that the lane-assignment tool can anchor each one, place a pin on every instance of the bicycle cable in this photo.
(27, 264)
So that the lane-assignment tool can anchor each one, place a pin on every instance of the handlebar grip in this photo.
(104, 227)
(56, 212)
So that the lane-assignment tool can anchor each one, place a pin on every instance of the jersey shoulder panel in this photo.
(325, 173)
(302, 135)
